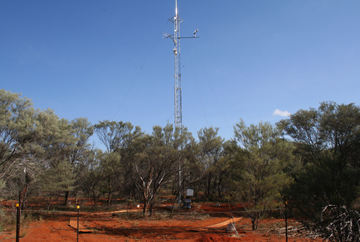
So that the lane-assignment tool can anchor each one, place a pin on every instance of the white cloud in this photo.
(281, 113)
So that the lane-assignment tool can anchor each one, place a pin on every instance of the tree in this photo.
(31, 140)
(211, 148)
(327, 141)
(185, 145)
(90, 180)
(116, 135)
(192, 168)
(117, 138)
(111, 169)
(56, 180)
(82, 130)
(330, 127)
(264, 157)
(78, 152)
(16, 124)
(55, 140)
(157, 161)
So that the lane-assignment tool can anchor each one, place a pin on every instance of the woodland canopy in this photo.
(309, 161)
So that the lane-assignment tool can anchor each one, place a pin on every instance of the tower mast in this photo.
(177, 69)
(177, 90)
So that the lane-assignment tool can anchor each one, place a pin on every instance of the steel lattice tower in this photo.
(177, 69)
(177, 89)
(177, 66)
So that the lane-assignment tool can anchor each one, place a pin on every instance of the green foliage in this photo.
(214, 163)
(321, 182)
(158, 159)
(82, 130)
(111, 168)
(57, 180)
(90, 180)
(32, 141)
(327, 140)
(16, 124)
(118, 139)
(311, 159)
(116, 135)
(330, 127)
(261, 164)
(38, 142)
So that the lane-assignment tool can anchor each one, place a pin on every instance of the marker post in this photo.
(17, 222)
(77, 230)
(286, 222)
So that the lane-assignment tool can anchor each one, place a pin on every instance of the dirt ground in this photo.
(203, 223)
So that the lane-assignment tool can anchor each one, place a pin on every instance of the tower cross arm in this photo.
(170, 36)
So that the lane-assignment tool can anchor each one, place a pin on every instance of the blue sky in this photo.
(108, 60)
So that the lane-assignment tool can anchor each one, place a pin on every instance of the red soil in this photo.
(125, 227)
(109, 228)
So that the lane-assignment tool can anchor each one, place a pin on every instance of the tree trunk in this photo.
(151, 209)
(173, 206)
(109, 196)
(254, 223)
(66, 198)
(145, 206)
(208, 187)
(152, 203)
(220, 188)
(94, 197)
(48, 200)
(23, 199)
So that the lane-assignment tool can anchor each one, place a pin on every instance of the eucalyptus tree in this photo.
(330, 127)
(91, 179)
(16, 124)
(118, 139)
(82, 130)
(116, 135)
(158, 160)
(111, 169)
(79, 152)
(191, 166)
(60, 144)
(19, 149)
(55, 142)
(210, 155)
(53, 138)
(228, 167)
(185, 144)
(327, 141)
(57, 179)
(264, 158)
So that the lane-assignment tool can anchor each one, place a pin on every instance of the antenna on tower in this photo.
(177, 90)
